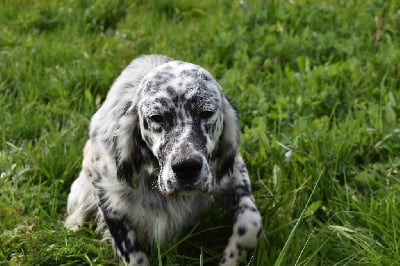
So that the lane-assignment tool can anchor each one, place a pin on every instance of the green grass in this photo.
(317, 84)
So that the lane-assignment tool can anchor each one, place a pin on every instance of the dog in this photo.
(162, 150)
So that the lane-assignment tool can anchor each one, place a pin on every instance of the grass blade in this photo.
(282, 254)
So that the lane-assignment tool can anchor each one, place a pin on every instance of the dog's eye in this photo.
(156, 118)
(206, 114)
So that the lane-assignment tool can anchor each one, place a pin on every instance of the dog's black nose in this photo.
(187, 170)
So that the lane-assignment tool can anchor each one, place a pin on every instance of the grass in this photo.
(317, 86)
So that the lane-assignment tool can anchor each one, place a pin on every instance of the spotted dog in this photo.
(162, 149)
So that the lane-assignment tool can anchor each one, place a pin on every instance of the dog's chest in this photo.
(160, 220)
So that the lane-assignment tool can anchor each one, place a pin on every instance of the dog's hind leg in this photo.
(81, 205)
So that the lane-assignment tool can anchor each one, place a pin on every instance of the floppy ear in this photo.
(130, 149)
(228, 146)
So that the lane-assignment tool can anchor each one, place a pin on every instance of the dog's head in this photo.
(187, 124)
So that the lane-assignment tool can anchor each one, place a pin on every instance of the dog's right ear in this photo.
(130, 150)
(228, 146)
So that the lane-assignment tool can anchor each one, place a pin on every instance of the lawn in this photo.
(317, 85)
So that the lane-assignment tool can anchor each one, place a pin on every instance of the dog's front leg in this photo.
(123, 236)
(113, 200)
(247, 220)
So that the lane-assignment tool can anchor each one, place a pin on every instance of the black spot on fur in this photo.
(157, 130)
(205, 77)
(193, 73)
(202, 87)
(171, 92)
(125, 170)
(180, 115)
(102, 197)
(210, 128)
(151, 88)
(242, 169)
(242, 230)
(126, 107)
(94, 133)
(96, 177)
(119, 230)
(145, 124)
(242, 191)
(169, 184)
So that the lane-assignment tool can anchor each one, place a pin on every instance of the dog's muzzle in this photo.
(186, 174)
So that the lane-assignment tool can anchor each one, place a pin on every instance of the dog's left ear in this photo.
(228, 146)
(130, 149)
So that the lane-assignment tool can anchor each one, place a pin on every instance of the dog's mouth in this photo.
(173, 189)
(173, 194)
